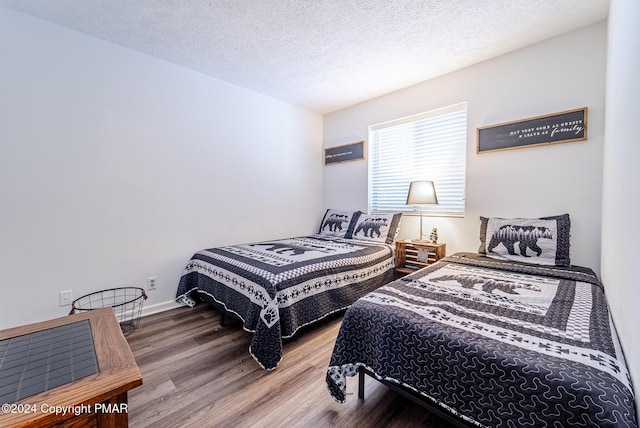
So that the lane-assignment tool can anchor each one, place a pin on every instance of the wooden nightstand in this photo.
(411, 256)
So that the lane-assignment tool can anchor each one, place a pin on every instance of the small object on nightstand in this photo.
(412, 255)
(433, 238)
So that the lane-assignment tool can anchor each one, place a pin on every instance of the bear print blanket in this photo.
(494, 343)
(277, 287)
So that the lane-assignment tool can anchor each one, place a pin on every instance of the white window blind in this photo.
(427, 146)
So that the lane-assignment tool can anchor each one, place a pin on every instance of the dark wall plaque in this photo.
(555, 128)
(347, 152)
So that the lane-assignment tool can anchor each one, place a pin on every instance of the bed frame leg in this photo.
(361, 383)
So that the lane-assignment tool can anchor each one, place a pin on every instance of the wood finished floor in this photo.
(199, 374)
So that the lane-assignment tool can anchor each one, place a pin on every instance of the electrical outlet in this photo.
(66, 297)
(151, 283)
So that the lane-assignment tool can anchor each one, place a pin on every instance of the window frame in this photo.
(461, 137)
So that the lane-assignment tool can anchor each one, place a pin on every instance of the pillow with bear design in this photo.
(375, 227)
(543, 241)
(336, 223)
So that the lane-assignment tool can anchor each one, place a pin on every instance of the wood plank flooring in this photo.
(199, 374)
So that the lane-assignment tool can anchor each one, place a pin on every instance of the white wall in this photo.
(116, 166)
(621, 198)
(563, 73)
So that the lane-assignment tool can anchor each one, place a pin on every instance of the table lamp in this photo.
(421, 193)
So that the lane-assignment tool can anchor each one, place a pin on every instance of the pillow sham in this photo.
(336, 223)
(375, 227)
(543, 241)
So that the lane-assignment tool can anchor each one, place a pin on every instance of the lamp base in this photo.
(422, 241)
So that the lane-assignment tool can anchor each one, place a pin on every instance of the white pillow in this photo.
(543, 241)
(375, 227)
(336, 223)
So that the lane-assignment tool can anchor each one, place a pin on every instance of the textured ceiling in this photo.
(322, 55)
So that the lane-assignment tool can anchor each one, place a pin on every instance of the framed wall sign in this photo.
(562, 127)
(345, 153)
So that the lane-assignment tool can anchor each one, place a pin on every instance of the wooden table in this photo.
(409, 257)
(96, 400)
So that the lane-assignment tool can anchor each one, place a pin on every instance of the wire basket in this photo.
(125, 301)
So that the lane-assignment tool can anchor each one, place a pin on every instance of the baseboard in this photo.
(160, 307)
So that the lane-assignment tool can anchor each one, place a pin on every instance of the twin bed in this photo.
(277, 287)
(511, 336)
(495, 344)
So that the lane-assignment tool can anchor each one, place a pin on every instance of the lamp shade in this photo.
(422, 193)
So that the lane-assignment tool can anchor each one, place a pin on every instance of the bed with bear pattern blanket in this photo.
(277, 287)
(492, 343)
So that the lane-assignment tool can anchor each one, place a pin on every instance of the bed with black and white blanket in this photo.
(493, 343)
(277, 287)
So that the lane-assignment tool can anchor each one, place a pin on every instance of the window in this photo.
(427, 146)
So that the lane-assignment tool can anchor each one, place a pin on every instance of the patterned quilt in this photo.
(277, 287)
(495, 343)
